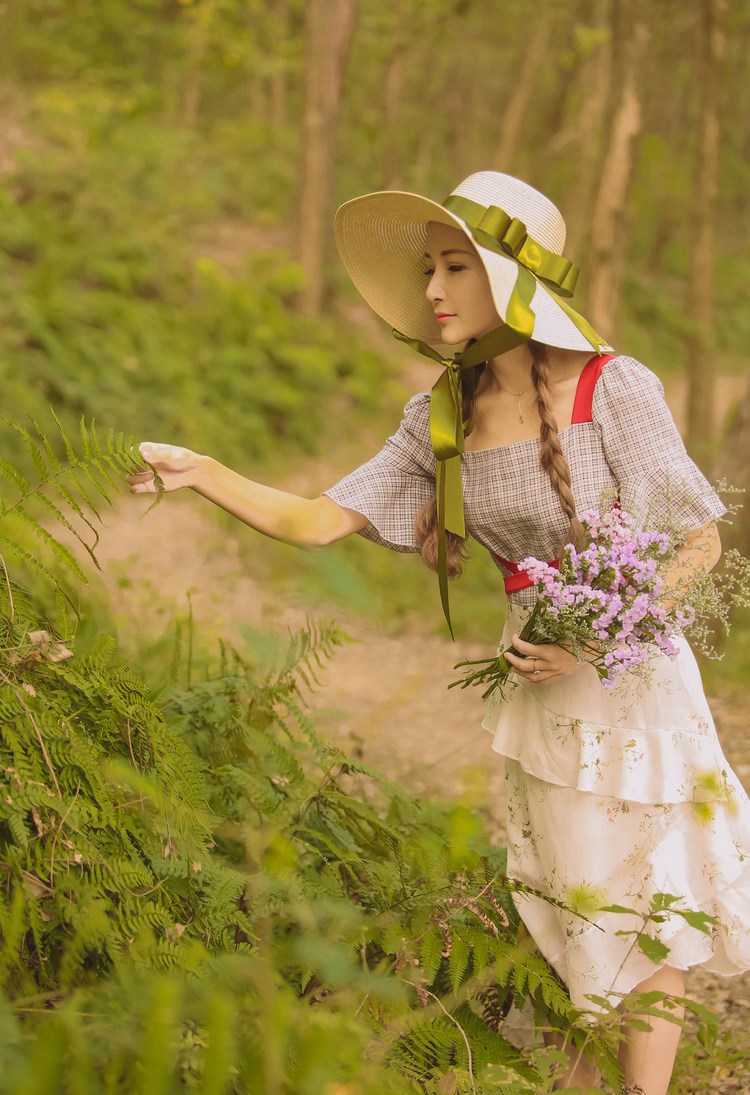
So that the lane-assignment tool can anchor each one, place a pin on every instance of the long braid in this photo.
(551, 456)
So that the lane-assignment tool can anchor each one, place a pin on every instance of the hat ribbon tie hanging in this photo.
(447, 426)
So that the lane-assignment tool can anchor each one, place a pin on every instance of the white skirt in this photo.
(613, 797)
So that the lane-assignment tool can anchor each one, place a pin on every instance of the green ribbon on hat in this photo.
(494, 229)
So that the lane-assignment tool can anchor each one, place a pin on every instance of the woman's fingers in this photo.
(528, 666)
(541, 662)
(171, 465)
(526, 648)
(173, 457)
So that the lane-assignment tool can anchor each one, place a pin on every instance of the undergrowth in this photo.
(201, 894)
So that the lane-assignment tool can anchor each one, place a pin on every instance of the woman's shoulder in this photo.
(416, 417)
(623, 372)
(625, 384)
(418, 404)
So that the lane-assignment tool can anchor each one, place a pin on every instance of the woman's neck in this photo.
(511, 371)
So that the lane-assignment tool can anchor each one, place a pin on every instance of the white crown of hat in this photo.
(543, 220)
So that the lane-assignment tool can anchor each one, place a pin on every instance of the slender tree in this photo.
(701, 412)
(608, 229)
(329, 27)
(594, 92)
(517, 106)
(202, 17)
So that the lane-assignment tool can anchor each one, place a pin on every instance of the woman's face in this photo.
(458, 288)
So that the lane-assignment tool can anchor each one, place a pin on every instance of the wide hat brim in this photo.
(381, 241)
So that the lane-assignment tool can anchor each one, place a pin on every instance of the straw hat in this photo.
(381, 240)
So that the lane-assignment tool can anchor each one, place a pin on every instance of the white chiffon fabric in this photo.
(614, 796)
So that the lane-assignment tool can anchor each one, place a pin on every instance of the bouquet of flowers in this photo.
(602, 603)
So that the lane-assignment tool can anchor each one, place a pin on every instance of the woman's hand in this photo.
(539, 663)
(175, 466)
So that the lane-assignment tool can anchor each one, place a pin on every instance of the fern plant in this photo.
(86, 478)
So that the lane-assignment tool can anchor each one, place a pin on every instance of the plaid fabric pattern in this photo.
(631, 444)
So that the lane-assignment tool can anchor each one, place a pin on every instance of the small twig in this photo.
(57, 833)
(37, 731)
(456, 1023)
(10, 589)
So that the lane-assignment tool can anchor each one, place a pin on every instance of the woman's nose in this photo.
(434, 290)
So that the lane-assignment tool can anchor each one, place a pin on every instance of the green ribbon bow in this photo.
(494, 229)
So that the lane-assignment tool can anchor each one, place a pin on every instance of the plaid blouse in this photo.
(631, 445)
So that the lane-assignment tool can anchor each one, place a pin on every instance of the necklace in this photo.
(517, 396)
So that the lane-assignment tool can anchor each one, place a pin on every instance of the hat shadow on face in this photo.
(460, 278)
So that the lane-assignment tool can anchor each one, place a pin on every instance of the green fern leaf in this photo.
(70, 451)
(58, 550)
(13, 476)
(458, 961)
(33, 449)
(11, 545)
(430, 954)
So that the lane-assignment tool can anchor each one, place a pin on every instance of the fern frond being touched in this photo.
(90, 466)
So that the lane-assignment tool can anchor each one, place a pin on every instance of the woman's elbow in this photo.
(708, 541)
(332, 522)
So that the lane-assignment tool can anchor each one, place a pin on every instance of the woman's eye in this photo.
(454, 266)
(428, 273)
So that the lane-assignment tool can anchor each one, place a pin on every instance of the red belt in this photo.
(518, 579)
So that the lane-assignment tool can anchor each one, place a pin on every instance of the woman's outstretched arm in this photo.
(275, 513)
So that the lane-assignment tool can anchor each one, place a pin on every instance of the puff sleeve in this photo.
(659, 484)
(391, 488)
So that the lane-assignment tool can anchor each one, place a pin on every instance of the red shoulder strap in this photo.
(592, 370)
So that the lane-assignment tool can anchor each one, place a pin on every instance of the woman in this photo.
(532, 421)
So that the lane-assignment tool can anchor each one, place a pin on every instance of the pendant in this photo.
(520, 416)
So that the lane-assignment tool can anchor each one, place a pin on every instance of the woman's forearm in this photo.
(275, 513)
(699, 554)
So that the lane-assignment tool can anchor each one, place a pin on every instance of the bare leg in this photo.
(647, 1057)
(582, 1071)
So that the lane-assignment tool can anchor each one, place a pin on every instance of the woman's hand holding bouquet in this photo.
(606, 605)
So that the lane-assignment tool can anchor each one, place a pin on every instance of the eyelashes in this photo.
(453, 269)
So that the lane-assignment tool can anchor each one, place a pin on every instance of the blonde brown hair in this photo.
(551, 458)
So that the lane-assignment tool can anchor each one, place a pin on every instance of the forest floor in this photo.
(381, 696)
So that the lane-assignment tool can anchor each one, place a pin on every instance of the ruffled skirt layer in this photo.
(614, 797)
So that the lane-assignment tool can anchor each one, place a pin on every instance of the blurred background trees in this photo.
(169, 170)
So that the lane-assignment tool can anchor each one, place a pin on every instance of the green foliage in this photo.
(146, 839)
(119, 303)
(82, 480)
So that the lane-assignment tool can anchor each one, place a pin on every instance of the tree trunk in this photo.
(733, 464)
(202, 18)
(329, 27)
(608, 236)
(279, 77)
(595, 76)
(392, 99)
(506, 154)
(701, 410)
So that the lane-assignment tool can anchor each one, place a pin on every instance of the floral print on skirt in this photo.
(613, 796)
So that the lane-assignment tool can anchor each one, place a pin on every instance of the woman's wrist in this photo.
(204, 474)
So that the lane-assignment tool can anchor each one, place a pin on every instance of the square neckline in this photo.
(590, 364)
